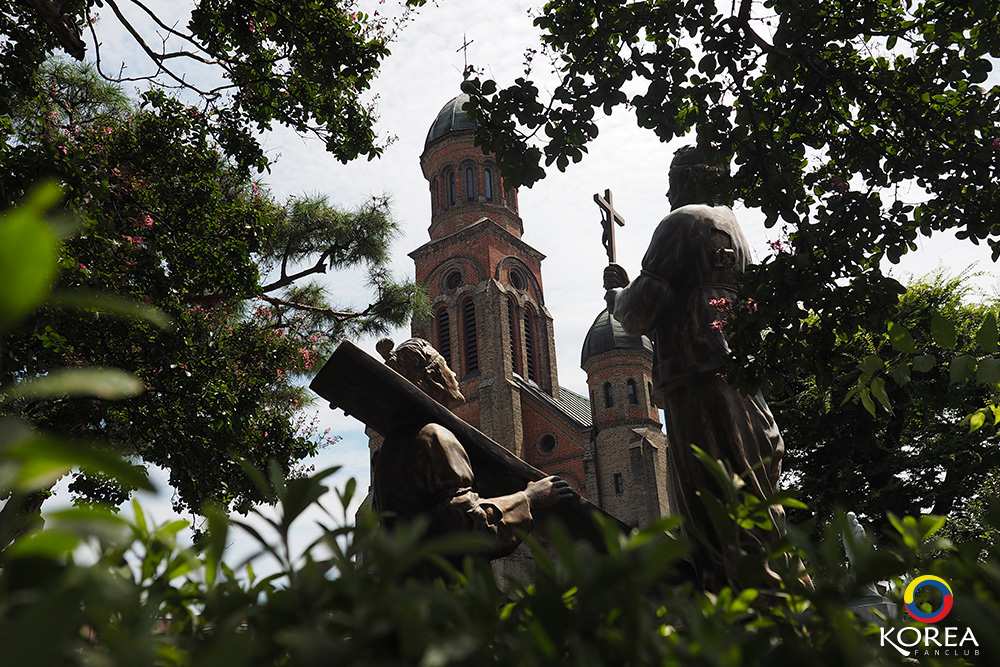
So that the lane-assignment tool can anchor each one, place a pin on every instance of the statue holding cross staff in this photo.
(681, 298)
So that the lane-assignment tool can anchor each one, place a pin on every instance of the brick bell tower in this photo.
(489, 319)
(627, 472)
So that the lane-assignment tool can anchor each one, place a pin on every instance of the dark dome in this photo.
(606, 334)
(450, 118)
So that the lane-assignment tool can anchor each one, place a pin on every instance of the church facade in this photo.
(490, 322)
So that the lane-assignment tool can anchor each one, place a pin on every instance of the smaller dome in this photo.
(606, 334)
(451, 117)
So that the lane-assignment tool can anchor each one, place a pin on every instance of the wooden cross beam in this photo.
(609, 218)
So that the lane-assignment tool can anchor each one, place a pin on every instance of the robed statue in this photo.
(681, 298)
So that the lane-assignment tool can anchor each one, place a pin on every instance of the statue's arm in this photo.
(641, 305)
(457, 507)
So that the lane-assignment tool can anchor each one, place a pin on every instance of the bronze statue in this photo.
(423, 469)
(686, 289)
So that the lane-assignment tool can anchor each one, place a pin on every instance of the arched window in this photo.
(469, 336)
(633, 397)
(451, 187)
(488, 183)
(512, 322)
(529, 345)
(444, 335)
(434, 196)
(470, 185)
(609, 400)
(649, 388)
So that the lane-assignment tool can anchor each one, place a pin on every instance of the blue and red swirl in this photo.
(909, 598)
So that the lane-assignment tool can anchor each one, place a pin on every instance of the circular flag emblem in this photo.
(909, 598)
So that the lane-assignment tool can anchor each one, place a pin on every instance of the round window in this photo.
(453, 280)
(517, 280)
(547, 444)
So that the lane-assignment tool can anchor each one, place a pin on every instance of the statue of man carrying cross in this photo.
(687, 286)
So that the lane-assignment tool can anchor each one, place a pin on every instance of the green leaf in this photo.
(107, 383)
(901, 374)
(44, 459)
(878, 391)
(924, 363)
(47, 543)
(785, 499)
(29, 257)
(89, 522)
(986, 337)
(900, 338)
(866, 400)
(962, 368)
(976, 421)
(111, 304)
(943, 331)
(871, 365)
(988, 371)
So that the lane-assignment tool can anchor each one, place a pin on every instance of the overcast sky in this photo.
(560, 217)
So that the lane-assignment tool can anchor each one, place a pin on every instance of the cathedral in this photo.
(490, 322)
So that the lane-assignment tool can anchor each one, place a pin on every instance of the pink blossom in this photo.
(996, 144)
(63, 149)
(134, 240)
(721, 302)
(718, 324)
(146, 221)
(108, 130)
(82, 267)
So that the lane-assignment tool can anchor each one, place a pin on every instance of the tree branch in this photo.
(339, 315)
(62, 26)
(285, 280)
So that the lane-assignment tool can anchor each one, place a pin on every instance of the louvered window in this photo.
(515, 362)
(444, 335)
(469, 332)
(529, 346)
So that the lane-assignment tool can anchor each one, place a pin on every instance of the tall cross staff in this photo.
(465, 55)
(609, 217)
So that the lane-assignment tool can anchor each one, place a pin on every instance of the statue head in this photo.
(696, 179)
(418, 361)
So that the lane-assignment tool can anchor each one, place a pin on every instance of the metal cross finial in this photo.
(609, 217)
(465, 55)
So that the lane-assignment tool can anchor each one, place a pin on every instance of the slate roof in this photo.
(572, 405)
